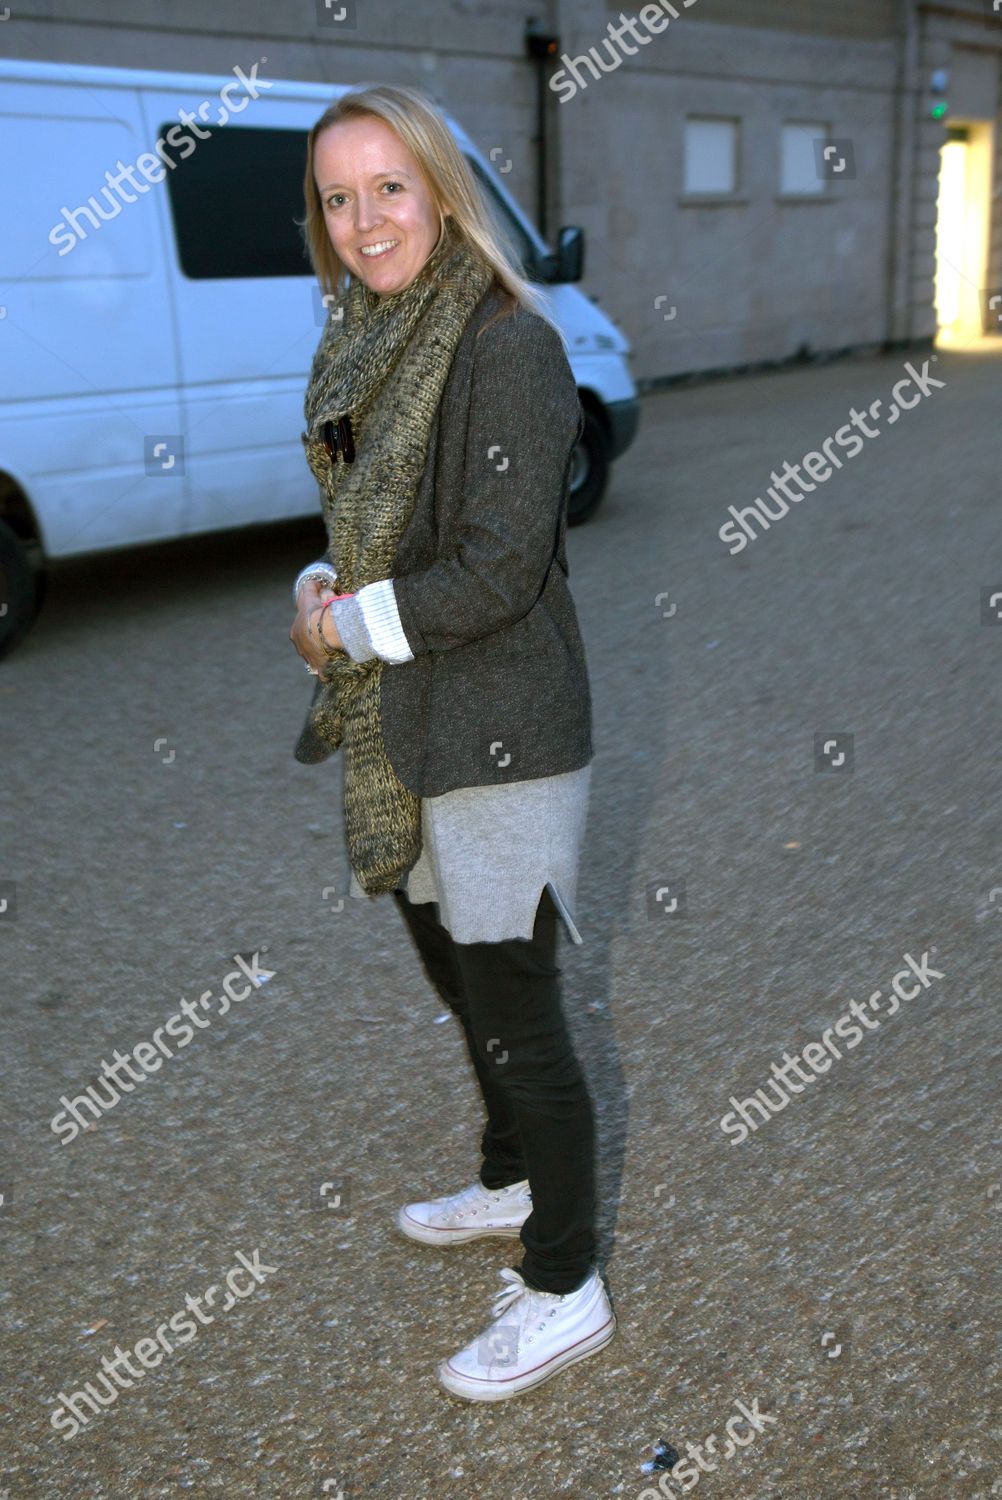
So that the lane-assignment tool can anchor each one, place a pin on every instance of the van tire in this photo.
(19, 595)
(589, 470)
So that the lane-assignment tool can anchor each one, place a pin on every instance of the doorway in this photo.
(963, 212)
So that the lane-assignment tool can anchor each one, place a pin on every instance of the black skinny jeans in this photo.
(540, 1123)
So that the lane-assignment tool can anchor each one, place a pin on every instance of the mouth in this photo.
(377, 251)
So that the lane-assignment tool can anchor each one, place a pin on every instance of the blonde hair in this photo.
(447, 175)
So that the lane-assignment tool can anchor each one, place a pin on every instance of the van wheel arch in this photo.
(22, 574)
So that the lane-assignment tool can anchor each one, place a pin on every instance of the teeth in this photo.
(376, 249)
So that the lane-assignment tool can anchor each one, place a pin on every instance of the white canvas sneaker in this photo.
(533, 1336)
(467, 1215)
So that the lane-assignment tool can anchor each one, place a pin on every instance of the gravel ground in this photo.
(839, 1266)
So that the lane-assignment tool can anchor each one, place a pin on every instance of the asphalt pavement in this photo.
(795, 810)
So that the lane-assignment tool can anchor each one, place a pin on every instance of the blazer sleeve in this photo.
(524, 421)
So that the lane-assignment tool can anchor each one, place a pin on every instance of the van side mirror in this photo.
(566, 263)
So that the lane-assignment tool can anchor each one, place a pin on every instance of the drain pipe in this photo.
(902, 155)
(540, 46)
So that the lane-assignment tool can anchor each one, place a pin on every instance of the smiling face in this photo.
(374, 198)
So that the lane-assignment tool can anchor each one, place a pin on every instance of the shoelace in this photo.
(532, 1304)
(468, 1197)
(525, 1308)
(508, 1295)
(457, 1203)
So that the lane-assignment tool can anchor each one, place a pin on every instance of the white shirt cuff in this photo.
(378, 604)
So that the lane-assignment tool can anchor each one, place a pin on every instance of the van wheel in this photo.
(18, 593)
(589, 471)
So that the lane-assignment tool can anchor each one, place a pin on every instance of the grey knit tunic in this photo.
(488, 851)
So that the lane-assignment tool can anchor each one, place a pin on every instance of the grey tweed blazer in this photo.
(498, 689)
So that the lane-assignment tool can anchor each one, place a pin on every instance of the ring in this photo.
(312, 670)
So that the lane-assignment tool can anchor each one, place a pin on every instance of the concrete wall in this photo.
(865, 18)
(753, 279)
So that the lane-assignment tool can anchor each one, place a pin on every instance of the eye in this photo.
(331, 203)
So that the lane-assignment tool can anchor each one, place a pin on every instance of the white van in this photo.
(157, 325)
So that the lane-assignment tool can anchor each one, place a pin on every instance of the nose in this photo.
(367, 213)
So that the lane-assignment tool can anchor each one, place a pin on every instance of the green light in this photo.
(939, 111)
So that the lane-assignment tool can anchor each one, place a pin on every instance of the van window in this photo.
(234, 200)
(509, 229)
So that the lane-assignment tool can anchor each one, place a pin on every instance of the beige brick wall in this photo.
(752, 280)
(869, 18)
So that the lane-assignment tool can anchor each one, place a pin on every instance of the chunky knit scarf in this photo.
(384, 362)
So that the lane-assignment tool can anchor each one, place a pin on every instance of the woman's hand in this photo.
(312, 595)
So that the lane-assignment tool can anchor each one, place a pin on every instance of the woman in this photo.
(441, 419)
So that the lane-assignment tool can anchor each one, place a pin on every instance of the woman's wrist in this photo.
(325, 644)
(321, 571)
